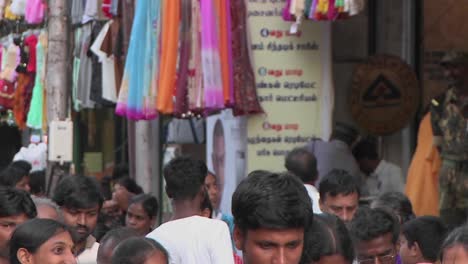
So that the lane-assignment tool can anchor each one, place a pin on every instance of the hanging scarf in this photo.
(195, 80)
(225, 49)
(211, 64)
(170, 41)
(181, 102)
(244, 78)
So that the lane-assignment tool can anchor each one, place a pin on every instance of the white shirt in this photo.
(195, 240)
(387, 177)
(89, 255)
(314, 197)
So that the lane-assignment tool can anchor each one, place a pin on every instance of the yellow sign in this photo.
(289, 74)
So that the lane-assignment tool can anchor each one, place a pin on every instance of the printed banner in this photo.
(293, 75)
(226, 152)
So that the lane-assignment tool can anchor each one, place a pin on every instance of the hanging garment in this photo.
(8, 14)
(2, 9)
(22, 99)
(244, 79)
(112, 46)
(168, 63)
(287, 16)
(106, 8)
(35, 10)
(225, 46)
(24, 55)
(181, 97)
(91, 11)
(35, 114)
(127, 12)
(30, 43)
(76, 69)
(422, 184)
(7, 94)
(18, 7)
(12, 60)
(85, 70)
(96, 77)
(137, 98)
(356, 7)
(108, 68)
(195, 80)
(77, 11)
(211, 64)
(114, 7)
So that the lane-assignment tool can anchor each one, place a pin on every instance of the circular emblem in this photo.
(384, 94)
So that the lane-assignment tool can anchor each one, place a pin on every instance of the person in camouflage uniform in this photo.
(450, 126)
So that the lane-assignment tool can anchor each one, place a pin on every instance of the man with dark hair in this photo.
(375, 233)
(397, 202)
(272, 212)
(421, 240)
(339, 195)
(303, 164)
(188, 237)
(37, 183)
(381, 176)
(111, 240)
(16, 207)
(80, 200)
(16, 177)
(336, 153)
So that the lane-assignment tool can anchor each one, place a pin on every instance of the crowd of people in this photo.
(348, 211)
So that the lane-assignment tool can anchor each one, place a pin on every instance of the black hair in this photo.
(271, 200)
(303, 164)
(429, 232)
(206, 203)
(37, 182)
(22, 165)
(130, 185)
(135, 250)
(15, 202)
(458, 237)
(11, 176)
(345, 133)
(148, 202)
(184, 178)
(78, 192)
(328, 236)
(366, 149)
(115, 237)
(338, 182)
(398, 202)
(369, 224)
(31, 234)
(120, 171)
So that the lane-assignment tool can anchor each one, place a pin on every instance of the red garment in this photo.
(238, 260)
(106, 5)
(22, 98)
(7, 94)
(31, 43)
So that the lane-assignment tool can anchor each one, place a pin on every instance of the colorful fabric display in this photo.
(35, 10)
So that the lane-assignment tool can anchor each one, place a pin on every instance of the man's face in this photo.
(7, 226)
(218, 158)
(343, 206)
(82, 221)
(213, 191)
(456, 254)
(266, 246)
(409, 254)
(380, 250)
